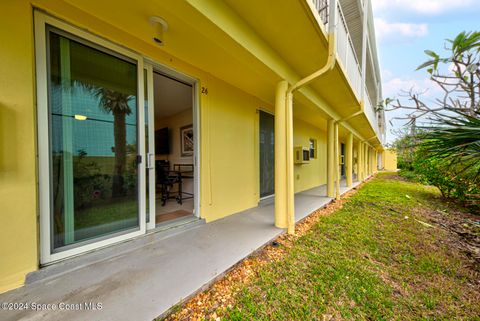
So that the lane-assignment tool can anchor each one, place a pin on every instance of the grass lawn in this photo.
(382, 256)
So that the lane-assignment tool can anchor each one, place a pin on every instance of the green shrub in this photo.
(453, 180)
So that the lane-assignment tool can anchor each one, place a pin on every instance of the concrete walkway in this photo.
(143, 278)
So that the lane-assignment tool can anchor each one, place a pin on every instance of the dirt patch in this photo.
(464, 230)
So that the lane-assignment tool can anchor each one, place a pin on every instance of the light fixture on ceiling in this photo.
(80, 117)
(160, 26)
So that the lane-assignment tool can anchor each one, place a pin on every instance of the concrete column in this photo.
(281, 156)
(360, 161)
(330, 157)
(349, 159)
(290, 171)
(337, 162)
(375, 162)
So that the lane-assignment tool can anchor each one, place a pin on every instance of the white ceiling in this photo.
(170, 96)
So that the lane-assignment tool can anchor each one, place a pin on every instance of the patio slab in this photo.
(157, 272)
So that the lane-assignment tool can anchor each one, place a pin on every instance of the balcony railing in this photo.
(372, 115)
(347, 55)
(322, 9)
(348, 60)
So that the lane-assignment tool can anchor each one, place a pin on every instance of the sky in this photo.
(404, 29)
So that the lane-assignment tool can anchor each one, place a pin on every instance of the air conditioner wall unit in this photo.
(301, 155)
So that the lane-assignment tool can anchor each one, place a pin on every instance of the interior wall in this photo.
(174, 123)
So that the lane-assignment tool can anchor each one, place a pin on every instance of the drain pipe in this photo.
(329, 65)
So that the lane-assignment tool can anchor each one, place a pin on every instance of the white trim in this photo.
(196, 148)
(267, 197)
(43, 141)
(40, 22)
(151, 147)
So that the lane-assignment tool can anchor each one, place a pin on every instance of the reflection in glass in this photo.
(93, 142)
(267, 154)
(147, 170)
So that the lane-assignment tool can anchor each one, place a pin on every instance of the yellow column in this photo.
(337, 163)
(370, 150)
(330, 157)
(365, 161)
(369, 161)
(372, 163)
(360, 161)
(349, 159)
(280, 156)
(383, 160)
(375, 162)
(290, 172)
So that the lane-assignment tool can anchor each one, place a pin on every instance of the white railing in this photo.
(372, 115)
(347, 55)
(349, 61)
(322, 9)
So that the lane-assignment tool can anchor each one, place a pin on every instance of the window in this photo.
(313, 148)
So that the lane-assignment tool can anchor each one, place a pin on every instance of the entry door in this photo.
(267, 155)
(150, 171)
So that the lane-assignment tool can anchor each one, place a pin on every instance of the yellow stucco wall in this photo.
(390, 160)
(314, 172)
(229, 152)
(229, 135)
(18, 228)
(229, 142)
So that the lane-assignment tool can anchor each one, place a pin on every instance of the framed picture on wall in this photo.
(186, 140)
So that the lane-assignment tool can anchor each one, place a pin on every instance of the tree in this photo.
(458, 77)
(116, 103)
(446, 151)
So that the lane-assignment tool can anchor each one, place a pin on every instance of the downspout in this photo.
(329, 65)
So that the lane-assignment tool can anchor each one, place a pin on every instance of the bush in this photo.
(90, 183)
(453, 181)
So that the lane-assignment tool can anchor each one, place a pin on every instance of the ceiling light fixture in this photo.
(160, 26)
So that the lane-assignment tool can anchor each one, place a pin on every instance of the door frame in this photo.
(151, 66)
(47, 256)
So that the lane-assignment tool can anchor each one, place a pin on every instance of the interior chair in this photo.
(166, 180)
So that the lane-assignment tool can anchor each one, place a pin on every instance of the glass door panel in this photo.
(93, 116)
(267, 155)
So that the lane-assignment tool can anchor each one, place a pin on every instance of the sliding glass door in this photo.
(90, 152)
